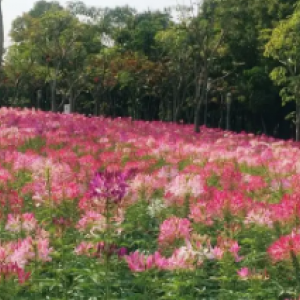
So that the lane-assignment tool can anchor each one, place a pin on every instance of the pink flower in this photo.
(282, 248)
(43, 250)
(174, 228)
(227, 245)
(217, 205)
(182, 258)
(138, 262)
(22, 252)
(218, 252)
(234, 248)
(18, 223)
(182, 185)
(84, 248)
(259, 215)
(92, 222)
(9, 270)
(244, 273)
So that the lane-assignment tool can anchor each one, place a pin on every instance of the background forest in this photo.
(232, 64)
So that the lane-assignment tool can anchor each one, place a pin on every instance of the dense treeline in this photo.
(232, 64)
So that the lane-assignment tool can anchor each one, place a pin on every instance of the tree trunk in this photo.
(169, 113)
(174, 103)
(180, 103)
(16, 94)
(197, 111)
(228, 115)
(1, 35)
(297, 120)
(206, 104)
(199, 101)
(39, 97)
(72, 102)
(53, 96)
(263, 124)
(95, 106)
(114, 105)
(63, 101)
(221, 113)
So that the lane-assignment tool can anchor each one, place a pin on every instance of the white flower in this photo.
(155, 207)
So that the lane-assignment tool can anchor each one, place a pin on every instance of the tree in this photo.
(205, 38)
(173, 43)
(58, 35)
(1, 34)
(139, 31)
(22, 23)
(117, 61)
(100, 75)
(19, 65)
(284, 46)
(42, 6)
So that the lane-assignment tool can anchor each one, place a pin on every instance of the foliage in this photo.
(158, 65)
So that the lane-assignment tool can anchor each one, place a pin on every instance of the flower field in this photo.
(94, 208)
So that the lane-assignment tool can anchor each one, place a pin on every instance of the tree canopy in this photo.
(219, 63)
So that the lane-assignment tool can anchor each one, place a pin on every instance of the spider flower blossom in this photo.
(10, 270)
(10, 200)
(26, 250)
(155, 207)
(17, 223)
(183, 258)
(219, 205)
(85, 248)
(91, 249)
(92, 221)
(109, 185)
(259, 215)
(138, 262)
(282, 248)
(183, 185)
(229, 246)
(174, 228)
(244, 273)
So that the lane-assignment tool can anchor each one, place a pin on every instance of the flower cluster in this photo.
(11, 270)
(25, 222)
(26, 250)
(99, 249)
(216, 201)
(110, 186)
(286, 245)
(172, 229)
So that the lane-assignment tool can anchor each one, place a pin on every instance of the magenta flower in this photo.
(109, 186)
(122, 252)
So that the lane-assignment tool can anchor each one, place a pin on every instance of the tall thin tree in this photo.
(1, 35)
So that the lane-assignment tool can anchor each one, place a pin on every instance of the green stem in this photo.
(106, 246)
(106, 276)
(35, 262)
(296, 267)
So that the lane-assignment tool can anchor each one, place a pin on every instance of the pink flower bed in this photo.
(207, 192)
